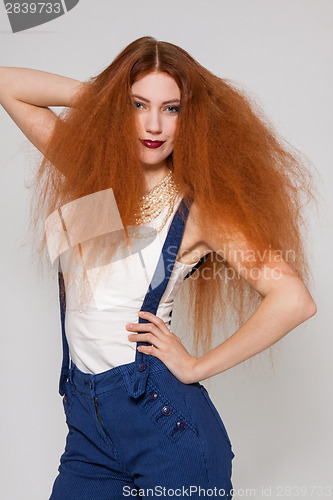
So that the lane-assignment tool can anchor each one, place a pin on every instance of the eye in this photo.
(137, 104)
(173, 109)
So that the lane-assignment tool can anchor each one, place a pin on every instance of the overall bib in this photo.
(135, 429)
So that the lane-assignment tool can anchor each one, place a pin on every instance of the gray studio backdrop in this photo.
(279, 421)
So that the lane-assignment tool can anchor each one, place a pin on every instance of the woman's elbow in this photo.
(298, 300)
(304, 305)
(310, 309)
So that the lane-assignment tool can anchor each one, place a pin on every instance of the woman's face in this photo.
(156, 98)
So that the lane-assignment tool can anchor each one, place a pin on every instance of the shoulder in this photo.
(195, 223)
(220, 241)
(193, 241)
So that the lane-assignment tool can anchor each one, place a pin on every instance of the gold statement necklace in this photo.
(151, 205)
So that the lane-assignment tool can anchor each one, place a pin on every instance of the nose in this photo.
(153, 123)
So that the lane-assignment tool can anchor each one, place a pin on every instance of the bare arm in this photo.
(287, 303)
(26, 93)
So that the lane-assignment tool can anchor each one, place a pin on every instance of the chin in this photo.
(153, 161)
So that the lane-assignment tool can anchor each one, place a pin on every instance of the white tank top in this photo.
(96, 331)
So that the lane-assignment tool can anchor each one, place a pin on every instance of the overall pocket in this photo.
(215, 412)
(165, 412)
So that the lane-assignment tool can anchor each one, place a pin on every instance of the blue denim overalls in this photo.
(136, 430)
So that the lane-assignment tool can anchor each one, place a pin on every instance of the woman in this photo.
(186, 154)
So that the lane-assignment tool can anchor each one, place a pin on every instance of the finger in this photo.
(155, 320)
(151, 350)
(144, 327)
(145, 337)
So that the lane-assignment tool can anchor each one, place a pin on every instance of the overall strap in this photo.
(65, 350)
(156, 290)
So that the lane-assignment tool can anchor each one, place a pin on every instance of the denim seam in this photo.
(84, 475)
(215, 412)
(122, 385)
(107, 441)
(200, 443)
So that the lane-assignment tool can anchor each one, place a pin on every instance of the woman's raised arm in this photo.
(26, 93)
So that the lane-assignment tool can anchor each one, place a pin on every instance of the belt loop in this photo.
(91, 384)
(137, 381)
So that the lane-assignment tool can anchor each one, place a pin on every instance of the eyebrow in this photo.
(165, 102)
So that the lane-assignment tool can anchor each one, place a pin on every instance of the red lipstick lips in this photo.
(152, 144)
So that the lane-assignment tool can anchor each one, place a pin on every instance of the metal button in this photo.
(142, 367)
(166, 410)
(181, 425)
(152, 396)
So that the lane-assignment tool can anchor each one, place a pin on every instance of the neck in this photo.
(153, 176)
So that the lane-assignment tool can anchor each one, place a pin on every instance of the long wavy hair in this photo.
(244, 178)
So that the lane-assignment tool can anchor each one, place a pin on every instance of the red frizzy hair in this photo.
(244, 178)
